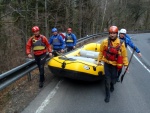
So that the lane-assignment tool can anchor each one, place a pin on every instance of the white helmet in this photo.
(124, 31)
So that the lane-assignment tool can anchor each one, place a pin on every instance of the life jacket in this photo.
(69, 38)
(56, 41)
(114, 54)
(63, 36)
(37, 44)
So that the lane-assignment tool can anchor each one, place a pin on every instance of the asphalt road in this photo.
(131, 96)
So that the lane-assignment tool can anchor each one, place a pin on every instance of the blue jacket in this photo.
(73, 38)
(128, 41)
(57, 42)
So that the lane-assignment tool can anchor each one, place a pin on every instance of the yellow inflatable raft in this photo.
(79, 64)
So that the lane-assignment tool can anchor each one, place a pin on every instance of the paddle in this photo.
(127, 66)
(61, 54)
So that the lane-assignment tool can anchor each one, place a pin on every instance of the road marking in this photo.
(140, 61)
(48, 98)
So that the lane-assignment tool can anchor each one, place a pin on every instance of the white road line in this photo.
(140, 61)
(48, 98)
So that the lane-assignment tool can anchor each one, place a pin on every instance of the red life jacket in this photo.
(112, 53)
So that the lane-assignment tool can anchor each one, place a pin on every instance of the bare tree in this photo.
(17, 17)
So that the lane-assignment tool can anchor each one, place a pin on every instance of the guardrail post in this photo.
(29, 74)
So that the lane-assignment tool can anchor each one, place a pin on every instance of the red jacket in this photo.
(29, 45)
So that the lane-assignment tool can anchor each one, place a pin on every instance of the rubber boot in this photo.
(118, 80)
(111, 87)
(107, 95)
(41, 84)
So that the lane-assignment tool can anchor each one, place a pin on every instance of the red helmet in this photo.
(69, 29)
(113, 29)
(35, 29)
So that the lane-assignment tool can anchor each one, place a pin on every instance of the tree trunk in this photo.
(80, 18)
(104, 15)
(46, 28)
(36, 13)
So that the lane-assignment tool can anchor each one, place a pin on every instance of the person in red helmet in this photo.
(114, 55)
(39, 45)
(71, 40)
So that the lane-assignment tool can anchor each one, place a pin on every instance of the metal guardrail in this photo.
(14, 74)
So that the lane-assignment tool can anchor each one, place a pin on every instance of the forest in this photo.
(85, 17)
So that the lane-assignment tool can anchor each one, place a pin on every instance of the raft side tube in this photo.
(75, 74)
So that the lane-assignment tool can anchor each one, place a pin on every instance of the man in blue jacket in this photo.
(71, 40)
(127, 40)
(57, 42)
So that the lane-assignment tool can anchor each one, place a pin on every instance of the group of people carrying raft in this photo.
(113, 52)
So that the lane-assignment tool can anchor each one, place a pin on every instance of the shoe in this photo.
(107, 99)
(118, 80)
(111, 88)
(40, 84)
